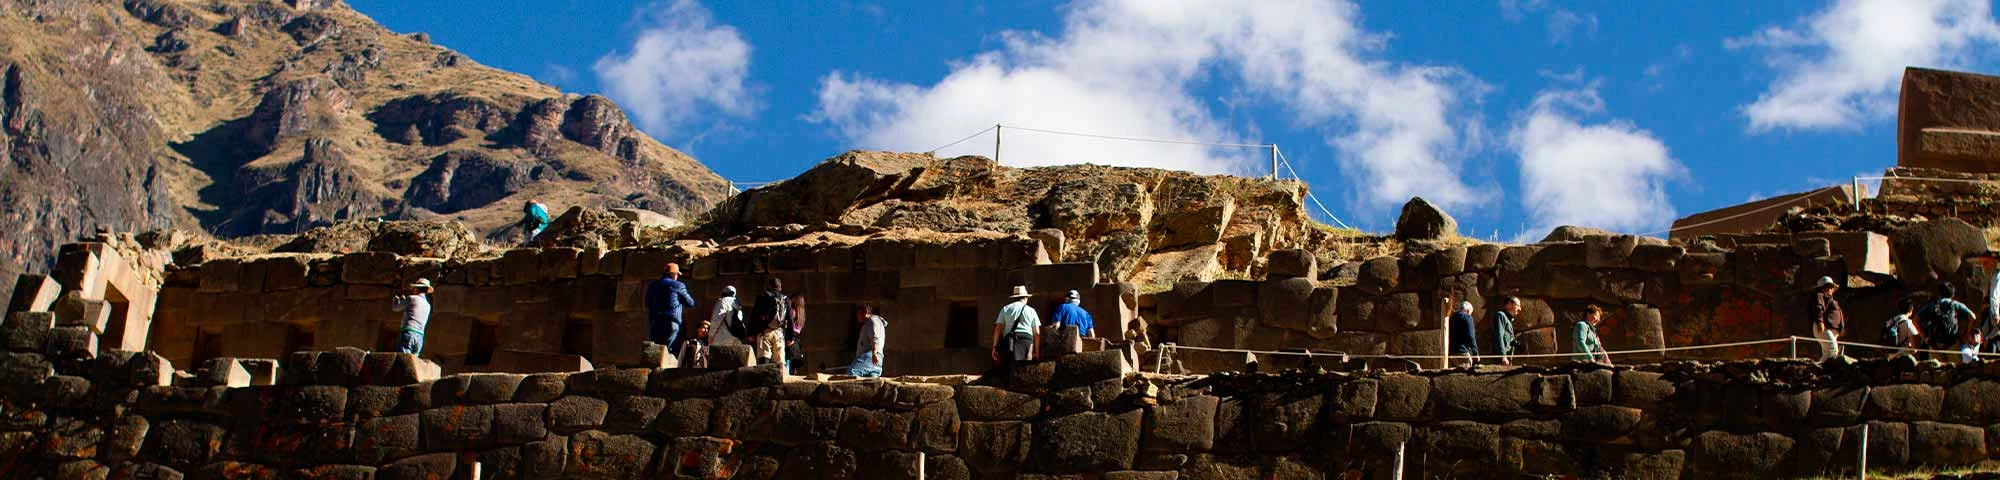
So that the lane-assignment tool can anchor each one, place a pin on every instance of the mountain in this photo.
(243, 117)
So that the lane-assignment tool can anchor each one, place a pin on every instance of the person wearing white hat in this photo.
(1463, 341)
(1828, 321)
(415, 303)
(1017, 330)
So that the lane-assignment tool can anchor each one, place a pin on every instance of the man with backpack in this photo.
(766, 323)
(1941, 320)
(1827, 319)
(1017, 330)
(666, 300)
(1902, 329)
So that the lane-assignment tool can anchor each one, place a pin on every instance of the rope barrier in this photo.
(1309, 192)
(962, 140)
(1899, 349)
(1166, 350)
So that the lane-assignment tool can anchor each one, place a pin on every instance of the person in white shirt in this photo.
(727, 315)
(415, 303)
(868, 345)
(1905, 327)
(1017, 331)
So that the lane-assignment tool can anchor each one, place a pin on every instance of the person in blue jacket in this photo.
(1071, 314)
(666, 298)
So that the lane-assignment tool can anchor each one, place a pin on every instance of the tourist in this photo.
(1942, 319)
(694, 350)
(1827, 320)
(534, 218)
(868, 348)
(1587, 344)
(1463, 339)
(1071, 314)
(767, 336)
(726, 324)
(415, 303)
(1902, 329)
(1992, 322)
(1505, 344)
(666, 298)
(1016, 330)
(794, 326)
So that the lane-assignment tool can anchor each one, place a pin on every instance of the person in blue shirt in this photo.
(1072, 314)
(1463, 342)
(534, 217)
(666, 298)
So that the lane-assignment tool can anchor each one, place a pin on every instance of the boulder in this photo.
(1926, 252)
(1572, 233)
(1291, 263)
(1719, 454)
(1423, 221)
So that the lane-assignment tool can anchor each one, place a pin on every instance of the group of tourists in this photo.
(1464, 343)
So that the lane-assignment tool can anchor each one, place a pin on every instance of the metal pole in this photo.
(996, 143)
(920, 465)
(1444, 361)
(1160, 357)
(1857, 194)
(1274, 161)
(1397, 472)
(1795, 346)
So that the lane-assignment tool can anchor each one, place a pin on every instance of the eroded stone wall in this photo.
(351, 414)
(552, 309)
(1654, 295)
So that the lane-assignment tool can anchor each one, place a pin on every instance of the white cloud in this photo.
(1609, 175)
(681, 67)
(1841, 67)
(1130, 68)
(1563, 23)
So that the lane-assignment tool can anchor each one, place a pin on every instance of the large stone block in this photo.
(595, 454)
(27, 331)
(1698, 269)
(1291, 263)
(185, 442)
(1185, 425)
(1491, 397)
(995, 447)
(1609, 251)
(33, 293)
(1379, 275)
(989, 403)
(386, 439)
(372, 268)
(1944, 444)
(1057, 277)
(1838, 405)
(1904, 402)
(1403, 397)
(1719, 454)
(458, 428)
(574, 414)
(1861, 251)
(1943, 117)
(1640, 389)
(1928, 251)
(1088, 442)
(1282, 303)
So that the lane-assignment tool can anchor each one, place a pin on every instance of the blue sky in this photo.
(1517, 115)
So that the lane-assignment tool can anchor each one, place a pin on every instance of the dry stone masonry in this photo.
(351, 414)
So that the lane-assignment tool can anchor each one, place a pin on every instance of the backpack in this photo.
(733, 321)
(1940, 319)
(1891, 336)
(766, 320)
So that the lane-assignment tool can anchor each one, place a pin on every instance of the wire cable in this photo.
(1309, 192)
(962, 140)
(1136, 139)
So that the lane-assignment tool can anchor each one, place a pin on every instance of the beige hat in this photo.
(1824, 282)
(1020, 292)
(421, 283)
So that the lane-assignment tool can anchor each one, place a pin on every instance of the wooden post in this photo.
(1863, 472)
(1444, 361)
(1397, 472)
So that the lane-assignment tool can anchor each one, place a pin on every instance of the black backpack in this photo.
(1890, 336)
(1940, 319)
(771, 316)
(734, 323)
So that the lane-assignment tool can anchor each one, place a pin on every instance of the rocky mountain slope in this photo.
(239, 117)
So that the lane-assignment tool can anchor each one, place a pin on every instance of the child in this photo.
(694, 351)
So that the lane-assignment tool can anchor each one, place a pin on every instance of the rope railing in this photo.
(1165, 351)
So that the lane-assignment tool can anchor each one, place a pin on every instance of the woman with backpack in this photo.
(1942, 320)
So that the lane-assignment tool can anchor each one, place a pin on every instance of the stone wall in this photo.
(535, 310)
(1654, 295)
(351, 414)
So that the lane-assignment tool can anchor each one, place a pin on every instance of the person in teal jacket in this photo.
(1588, 347)
(534, 218)
(1503, 329)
